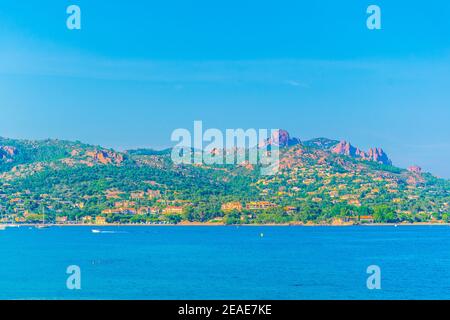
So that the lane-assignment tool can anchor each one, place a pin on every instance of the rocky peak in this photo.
(374, 154)
(378, 155)
(415, 169)
(7, 152)
(281, 138)
(105, 156)
(347, 149)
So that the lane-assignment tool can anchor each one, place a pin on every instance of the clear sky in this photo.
(137, 70)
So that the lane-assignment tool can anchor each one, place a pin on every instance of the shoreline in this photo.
(199, 224)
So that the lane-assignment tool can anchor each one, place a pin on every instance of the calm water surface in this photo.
(226, 262)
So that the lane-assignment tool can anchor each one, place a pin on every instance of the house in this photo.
(100, 220)
(60, 219)
(260, 205)
(153, 194)
(341, 221)
(86, 219)
(120, 210)
(110, 211)
(366, 219)
(19, 219)
(148, 210)
(354, 202)
(173, 210)
(124, 204)
(290, 209)
(80, 205)
(230, 206)
(113, 194)
(16, 200)
(308, 181)
(127, 211)
(137, 195)
(154, 210)
(334, 194)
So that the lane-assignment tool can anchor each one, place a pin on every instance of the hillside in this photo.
(319, 181)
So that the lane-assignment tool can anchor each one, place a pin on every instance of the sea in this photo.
(225, 262)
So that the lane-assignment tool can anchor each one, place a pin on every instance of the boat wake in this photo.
(106, 231)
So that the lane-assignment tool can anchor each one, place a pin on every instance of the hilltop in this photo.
(319, 181)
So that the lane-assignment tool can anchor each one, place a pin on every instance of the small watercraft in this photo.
(95, 231)
(41, 226)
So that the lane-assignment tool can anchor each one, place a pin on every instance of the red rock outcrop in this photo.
(105, 157)
(345, 148)
(377, 155)
(374, 154)
(415, 169)
(280, 138)
(7, 152)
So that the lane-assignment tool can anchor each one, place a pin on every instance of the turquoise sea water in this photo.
(226, 262)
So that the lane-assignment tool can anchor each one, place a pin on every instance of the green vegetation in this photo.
(73, 182)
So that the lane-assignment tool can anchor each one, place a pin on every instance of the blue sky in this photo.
(135, 72)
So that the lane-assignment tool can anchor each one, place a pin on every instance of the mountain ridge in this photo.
(318, 181)
(59, 149)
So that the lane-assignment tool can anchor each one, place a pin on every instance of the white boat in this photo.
(41, 226)
(95, 231)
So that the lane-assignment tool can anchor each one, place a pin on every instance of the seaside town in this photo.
(320, 181)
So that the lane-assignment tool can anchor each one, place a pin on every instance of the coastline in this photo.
(199, 224)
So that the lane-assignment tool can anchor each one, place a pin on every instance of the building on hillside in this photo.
(113, 194)
(148, 210)
(230, 206)
(100, 220)
(86, 219)
(16, 200)
(124, 204)
(366, 219)
(62, 219)
(354, 202)
(173, 210)
(290, 209)
(128, 211)
(137, 195)
(120, 210)
(260, 205)
(155, 210)
(153, 194)
(19, 219)
(80, 205)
